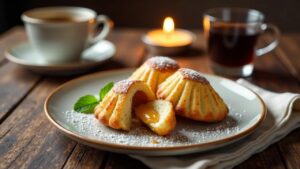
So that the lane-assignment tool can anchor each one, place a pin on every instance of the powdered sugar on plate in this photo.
(187, 132)
(245, 115)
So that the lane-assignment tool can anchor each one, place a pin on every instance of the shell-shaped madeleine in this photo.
(192, 96)
(115, 110)
(155, 70)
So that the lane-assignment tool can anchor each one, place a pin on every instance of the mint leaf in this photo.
(105, 90)
(86, 104)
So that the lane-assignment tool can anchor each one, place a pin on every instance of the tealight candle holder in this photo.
(168, 41)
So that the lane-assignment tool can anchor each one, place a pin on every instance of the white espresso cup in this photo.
(60, 34)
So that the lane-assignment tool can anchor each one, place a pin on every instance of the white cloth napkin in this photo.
(283, 116)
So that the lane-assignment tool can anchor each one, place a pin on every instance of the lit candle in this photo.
(169, 36)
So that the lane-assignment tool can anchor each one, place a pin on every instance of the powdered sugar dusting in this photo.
(193, 75)
(123, 86)
(187, 132)
(163, 63)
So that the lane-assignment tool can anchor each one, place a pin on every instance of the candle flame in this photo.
(168, 25)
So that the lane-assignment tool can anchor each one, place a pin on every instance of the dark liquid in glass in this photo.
(232, 46)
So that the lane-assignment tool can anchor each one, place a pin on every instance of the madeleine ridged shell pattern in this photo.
(115, 110)
(155, 70)
(192, 96)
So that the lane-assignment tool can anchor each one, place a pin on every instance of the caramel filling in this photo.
(149, 116)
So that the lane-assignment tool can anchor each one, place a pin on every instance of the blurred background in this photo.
(150, 13)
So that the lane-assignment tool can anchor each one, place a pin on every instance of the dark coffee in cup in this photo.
(232, 46)
(232, 35)
(60, 19)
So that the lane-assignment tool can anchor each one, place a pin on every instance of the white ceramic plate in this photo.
(24, 55)
(247, 111)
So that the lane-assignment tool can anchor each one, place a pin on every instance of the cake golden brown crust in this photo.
(192, 96)
(123, 86)
(158, 115)
(191, 74)
(115, 110)
(155, 70)
(162, 63)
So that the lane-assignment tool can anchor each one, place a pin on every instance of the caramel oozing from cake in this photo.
(162, 63)
(191, 74)
(150, 116)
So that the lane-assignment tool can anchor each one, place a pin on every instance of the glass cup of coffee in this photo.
(232, 35)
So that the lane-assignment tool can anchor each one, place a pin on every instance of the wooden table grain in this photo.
(29, 140)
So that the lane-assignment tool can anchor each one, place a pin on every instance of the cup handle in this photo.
(276, 35)
(107, 26)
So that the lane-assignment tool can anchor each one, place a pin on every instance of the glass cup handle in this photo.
(107, 26)
(276, 34)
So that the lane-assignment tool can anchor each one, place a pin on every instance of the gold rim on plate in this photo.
(107, 145)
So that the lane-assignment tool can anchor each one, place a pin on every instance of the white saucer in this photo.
(24, 55)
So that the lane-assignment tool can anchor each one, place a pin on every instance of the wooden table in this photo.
(29, 140)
